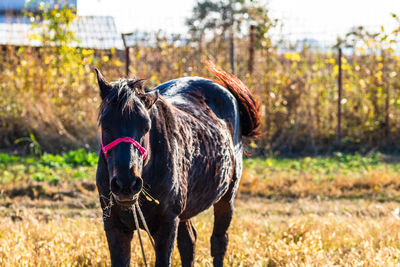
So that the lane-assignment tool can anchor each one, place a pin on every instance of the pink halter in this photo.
(142, 150)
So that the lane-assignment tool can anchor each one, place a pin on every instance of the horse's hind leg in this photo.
(186, 242)
(223, 211)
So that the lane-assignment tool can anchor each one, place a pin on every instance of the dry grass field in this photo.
(264, 232)
(283, 217)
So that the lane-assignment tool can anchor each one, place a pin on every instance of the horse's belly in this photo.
(207, 185)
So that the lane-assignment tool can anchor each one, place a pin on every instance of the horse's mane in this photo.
(122, 96)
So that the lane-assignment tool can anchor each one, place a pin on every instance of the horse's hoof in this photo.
(218, 263)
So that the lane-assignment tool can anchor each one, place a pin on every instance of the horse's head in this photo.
(125, 124)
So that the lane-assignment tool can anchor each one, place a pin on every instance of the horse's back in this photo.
(180, 92)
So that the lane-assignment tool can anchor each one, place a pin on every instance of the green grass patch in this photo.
(73, 165)
(81, 165)
(323, 166)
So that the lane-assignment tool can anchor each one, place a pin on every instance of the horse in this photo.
(180, 143)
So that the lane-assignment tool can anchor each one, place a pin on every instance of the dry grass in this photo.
(380, 182)
(285, 232)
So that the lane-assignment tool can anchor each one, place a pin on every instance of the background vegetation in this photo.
(48, 94)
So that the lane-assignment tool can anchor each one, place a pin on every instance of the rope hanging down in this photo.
(135, 208)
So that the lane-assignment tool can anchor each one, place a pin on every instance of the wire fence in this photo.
(296, 81)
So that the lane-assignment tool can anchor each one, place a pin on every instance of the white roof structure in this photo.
(96, 32)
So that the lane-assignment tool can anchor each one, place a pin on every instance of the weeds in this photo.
(73, 165)
(51, 91)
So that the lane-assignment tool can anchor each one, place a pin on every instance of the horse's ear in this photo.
(105, 87)
(148, 99)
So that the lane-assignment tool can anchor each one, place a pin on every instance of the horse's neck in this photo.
(161, 137)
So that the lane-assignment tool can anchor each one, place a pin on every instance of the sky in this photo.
(319, 19)
(143, 15)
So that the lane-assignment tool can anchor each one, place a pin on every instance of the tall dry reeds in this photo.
(51, 91)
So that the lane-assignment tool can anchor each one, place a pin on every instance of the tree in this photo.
(51, 25)
(223, 16)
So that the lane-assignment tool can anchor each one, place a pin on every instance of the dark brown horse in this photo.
(187, 155)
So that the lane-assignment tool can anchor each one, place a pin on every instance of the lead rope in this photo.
(134, 208)
(140, 237)
(145, 225)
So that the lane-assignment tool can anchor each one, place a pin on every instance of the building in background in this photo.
(96, 32)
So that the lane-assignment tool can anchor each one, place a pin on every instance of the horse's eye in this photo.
(106, 129)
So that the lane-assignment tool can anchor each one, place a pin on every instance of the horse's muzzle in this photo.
(126, 192)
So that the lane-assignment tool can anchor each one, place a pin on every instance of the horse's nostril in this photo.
(116, 185)
(133, 185)
(136, 185)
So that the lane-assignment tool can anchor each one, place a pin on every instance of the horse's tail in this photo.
(248, 106)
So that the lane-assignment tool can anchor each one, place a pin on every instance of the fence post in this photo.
(127, 58)
(386, 87)
(251, 48)
(339, 101)
(232, 51)
(232, 39)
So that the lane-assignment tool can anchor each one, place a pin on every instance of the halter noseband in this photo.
(142, 150)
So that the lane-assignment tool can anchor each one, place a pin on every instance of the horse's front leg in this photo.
(164, 240)
(119, 244)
